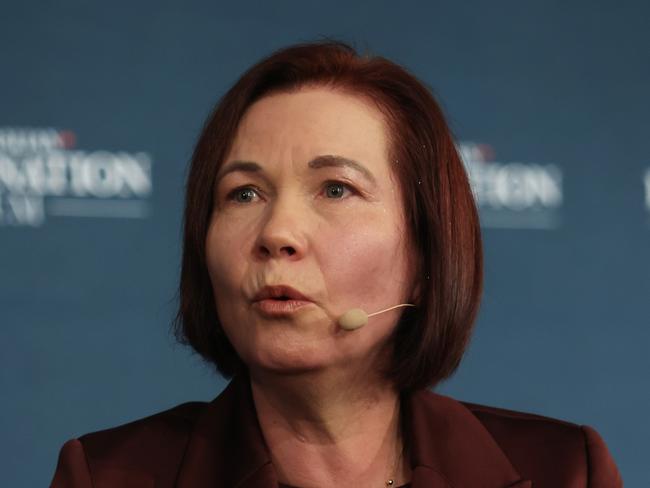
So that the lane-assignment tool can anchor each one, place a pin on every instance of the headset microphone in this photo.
(356, 317)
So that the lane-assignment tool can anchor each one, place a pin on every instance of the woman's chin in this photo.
(291, 362)
(291, 348)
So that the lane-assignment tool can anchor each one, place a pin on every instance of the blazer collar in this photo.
(449, 447)
(226, 446)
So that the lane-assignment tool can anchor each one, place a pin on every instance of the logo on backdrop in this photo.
(42, 175)
(513, 195)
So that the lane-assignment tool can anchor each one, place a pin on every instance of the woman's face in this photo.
(295, 214)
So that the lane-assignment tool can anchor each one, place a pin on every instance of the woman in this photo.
(322, 183)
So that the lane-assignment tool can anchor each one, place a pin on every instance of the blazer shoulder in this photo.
(153, 445)
(489, 414)
(577, 453)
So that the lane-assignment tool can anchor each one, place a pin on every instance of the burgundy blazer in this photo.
(452, 445)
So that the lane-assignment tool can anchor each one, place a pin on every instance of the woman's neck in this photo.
(331, 428)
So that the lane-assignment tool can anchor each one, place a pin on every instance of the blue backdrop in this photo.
(100, 105)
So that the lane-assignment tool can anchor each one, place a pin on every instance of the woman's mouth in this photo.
(280, 306)
(280, 300)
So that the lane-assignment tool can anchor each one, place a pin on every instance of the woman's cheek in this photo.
(356, 263)
(225, 263)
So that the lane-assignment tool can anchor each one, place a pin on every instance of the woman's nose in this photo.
(281, 234)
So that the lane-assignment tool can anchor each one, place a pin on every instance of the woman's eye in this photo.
(244, 194)
(247, 194)
(336, 189)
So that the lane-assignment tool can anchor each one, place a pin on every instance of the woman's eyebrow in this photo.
(340, 161)
(316, 163)
(245, 166)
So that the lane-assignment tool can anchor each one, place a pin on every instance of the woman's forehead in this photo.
(301, 126)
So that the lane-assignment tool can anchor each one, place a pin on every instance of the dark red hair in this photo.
(440, 211)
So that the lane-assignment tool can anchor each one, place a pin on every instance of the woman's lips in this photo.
(279, 291)
(277, 308)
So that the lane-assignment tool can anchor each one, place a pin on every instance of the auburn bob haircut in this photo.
(430, 339)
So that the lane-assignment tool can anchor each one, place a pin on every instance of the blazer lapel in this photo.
(450, 448)
(226, 446)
